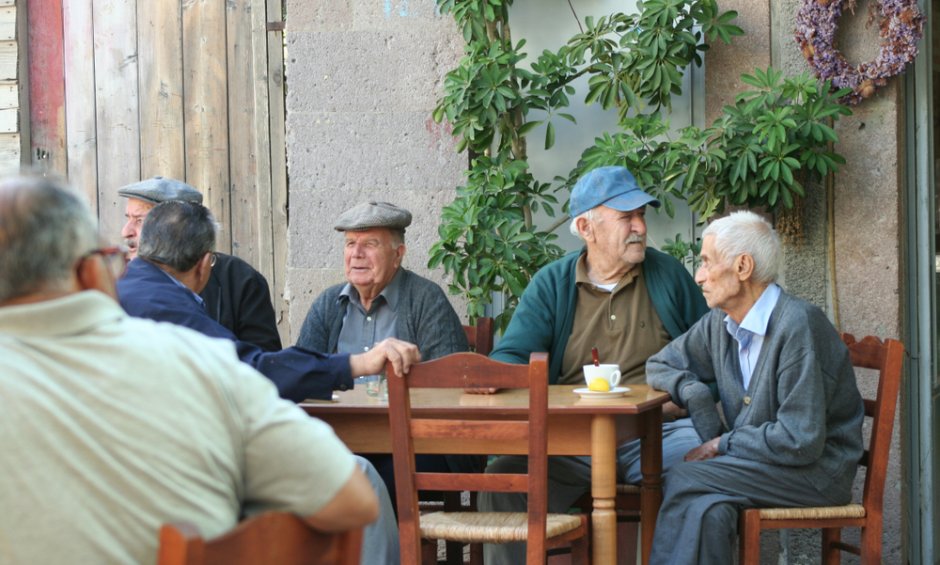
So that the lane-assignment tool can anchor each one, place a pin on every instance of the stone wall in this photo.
(362, 80)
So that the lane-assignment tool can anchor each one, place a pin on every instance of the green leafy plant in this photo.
(756, 153)
(488, 241)
(772, 137)
(686, 252)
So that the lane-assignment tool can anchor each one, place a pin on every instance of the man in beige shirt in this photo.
(113, 425)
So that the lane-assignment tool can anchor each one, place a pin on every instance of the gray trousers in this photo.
(706, 496)
(569, 478)
(380, 538)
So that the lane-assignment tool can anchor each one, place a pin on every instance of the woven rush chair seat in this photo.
(814, 513)
(887, 358)
(491, 527)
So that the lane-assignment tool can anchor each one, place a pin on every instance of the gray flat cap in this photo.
(159, 189)
(373, 215)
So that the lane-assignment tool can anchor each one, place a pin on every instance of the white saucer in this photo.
(596, 395)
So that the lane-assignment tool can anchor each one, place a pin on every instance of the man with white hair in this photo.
(113, 426)
(788, 394)
(615, 294)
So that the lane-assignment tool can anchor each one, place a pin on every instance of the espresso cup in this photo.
(607, 371)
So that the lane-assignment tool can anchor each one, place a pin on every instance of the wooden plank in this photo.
(9, 95)
(8, 2)
(46, 85)
(260, 124)
(9, 152)
(7, 23)
(9, 120)
(80, 119)
(243, 141)
(116, 102)
(205, 108)
(278, 147)
(159, 30)
(8, 60)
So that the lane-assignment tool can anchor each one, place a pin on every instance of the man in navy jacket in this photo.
(174, 263)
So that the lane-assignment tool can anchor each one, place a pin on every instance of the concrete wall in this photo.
(362, 80)
(864, 295)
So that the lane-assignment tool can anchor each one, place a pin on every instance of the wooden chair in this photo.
(272, 537)
(539, 529)
(480, 336)
(887, 358)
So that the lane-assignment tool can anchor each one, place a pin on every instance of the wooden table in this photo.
(576, 427)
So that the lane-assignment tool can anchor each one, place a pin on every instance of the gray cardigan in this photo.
(425, 318)
(805, 409)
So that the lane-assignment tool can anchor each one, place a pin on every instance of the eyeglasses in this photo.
(115, 257)
(214, 259)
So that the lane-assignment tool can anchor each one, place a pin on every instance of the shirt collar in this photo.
(177, 282)
(758, 317)
(581, 275)
(73, 314)
(390, 293)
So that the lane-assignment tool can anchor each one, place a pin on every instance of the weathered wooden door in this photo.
(193, 89)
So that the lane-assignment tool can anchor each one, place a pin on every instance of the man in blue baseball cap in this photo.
(614, 294)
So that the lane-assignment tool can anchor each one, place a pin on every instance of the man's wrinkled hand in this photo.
(707, 450)
(401, 353)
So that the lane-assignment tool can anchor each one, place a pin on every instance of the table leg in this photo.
(651, 486)
(604, 489)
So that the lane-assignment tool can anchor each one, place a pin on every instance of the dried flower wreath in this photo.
(901, 27)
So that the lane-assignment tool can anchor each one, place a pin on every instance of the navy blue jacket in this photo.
(148, 292)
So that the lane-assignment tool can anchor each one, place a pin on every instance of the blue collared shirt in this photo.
(177, 282)
(361, 330)
(750, 334)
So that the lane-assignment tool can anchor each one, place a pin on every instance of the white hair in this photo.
(744, 232)
(573, 226)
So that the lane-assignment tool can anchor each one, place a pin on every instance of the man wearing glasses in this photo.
(131, 424)
(236, 295)
(174, 261)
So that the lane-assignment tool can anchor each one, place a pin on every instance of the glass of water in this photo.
(376, 386)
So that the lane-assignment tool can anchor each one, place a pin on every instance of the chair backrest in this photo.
(469, 370)
(272, 537)
(480, 336)
(887, 358)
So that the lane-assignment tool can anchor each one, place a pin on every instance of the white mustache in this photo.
(635, 239)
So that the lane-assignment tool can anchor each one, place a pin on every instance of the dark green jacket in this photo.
(543, 319)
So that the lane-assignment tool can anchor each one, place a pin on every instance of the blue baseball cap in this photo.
(613, 187)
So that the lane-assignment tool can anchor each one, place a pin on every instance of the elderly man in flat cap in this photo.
(615, 294)
(382, 299)
(237, 296)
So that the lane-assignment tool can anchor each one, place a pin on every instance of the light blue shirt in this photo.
(176, 281)
(750, 334)
(361, 330)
